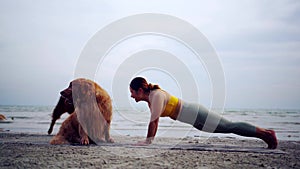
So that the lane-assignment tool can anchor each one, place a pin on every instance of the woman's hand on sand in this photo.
(142, 143)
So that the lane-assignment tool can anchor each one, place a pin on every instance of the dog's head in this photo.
(79, 91)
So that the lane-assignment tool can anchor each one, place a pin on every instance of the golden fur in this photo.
(92, 117)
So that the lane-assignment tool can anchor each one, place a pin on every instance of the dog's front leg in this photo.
(106, 133)
(84, 139)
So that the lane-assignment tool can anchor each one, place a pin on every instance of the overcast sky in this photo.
(257, 41)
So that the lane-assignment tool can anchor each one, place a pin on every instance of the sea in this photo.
(129, 122)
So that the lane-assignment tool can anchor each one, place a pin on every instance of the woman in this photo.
(162, 104)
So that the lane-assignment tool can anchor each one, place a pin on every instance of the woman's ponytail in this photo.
(152, 87)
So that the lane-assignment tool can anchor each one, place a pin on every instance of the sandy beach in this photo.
(34, 151)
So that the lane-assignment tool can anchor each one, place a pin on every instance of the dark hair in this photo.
(140, 82)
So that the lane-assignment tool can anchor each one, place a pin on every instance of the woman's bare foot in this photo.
(268, 136)
(272, 140)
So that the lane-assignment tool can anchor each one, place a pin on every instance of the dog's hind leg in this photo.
(106, 133)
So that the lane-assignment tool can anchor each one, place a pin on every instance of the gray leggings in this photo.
(204, 120)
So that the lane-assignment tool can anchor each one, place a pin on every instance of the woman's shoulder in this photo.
(159, 93)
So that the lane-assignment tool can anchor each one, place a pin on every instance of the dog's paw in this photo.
(101, 140)
(85, 140)
(58, 140)
(110, 140)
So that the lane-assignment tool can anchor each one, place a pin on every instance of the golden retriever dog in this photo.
(90, 122)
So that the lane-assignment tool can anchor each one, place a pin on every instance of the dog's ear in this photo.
(67, 92)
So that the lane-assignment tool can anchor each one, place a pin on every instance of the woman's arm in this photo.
(156, 107)
(152, 128)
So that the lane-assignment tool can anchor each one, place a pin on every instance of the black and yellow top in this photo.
(171, 106)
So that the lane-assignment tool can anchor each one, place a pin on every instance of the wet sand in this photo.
(34, 151)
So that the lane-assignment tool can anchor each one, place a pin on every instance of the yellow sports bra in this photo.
(170, 107)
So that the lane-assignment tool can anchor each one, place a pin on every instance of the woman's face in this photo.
(136, 95)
